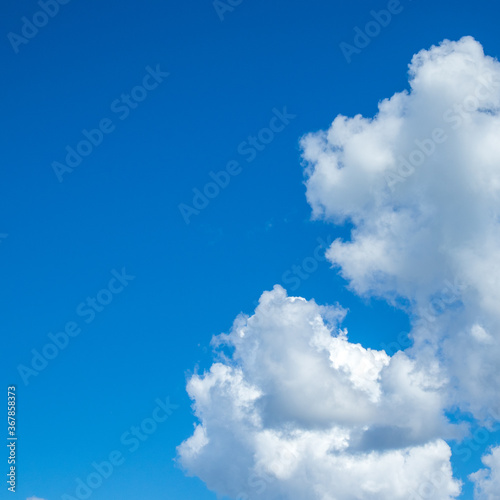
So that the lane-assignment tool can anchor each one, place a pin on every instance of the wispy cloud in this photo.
(487, 481)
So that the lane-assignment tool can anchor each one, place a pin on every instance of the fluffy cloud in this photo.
(420, 182)
(299, 411)
(294, 410)
(35, 498)
(487, 481)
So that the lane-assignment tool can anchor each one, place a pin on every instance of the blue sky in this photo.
(119, 208)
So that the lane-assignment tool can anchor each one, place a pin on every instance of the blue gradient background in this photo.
(119, 208)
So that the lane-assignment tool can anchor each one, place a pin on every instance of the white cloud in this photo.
(421, 184)
(487, 481)
(35, 498)
(299, 411)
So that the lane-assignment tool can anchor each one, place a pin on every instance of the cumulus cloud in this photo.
(299, 411)
(294, 409)
(487, 481)
(420, 182)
